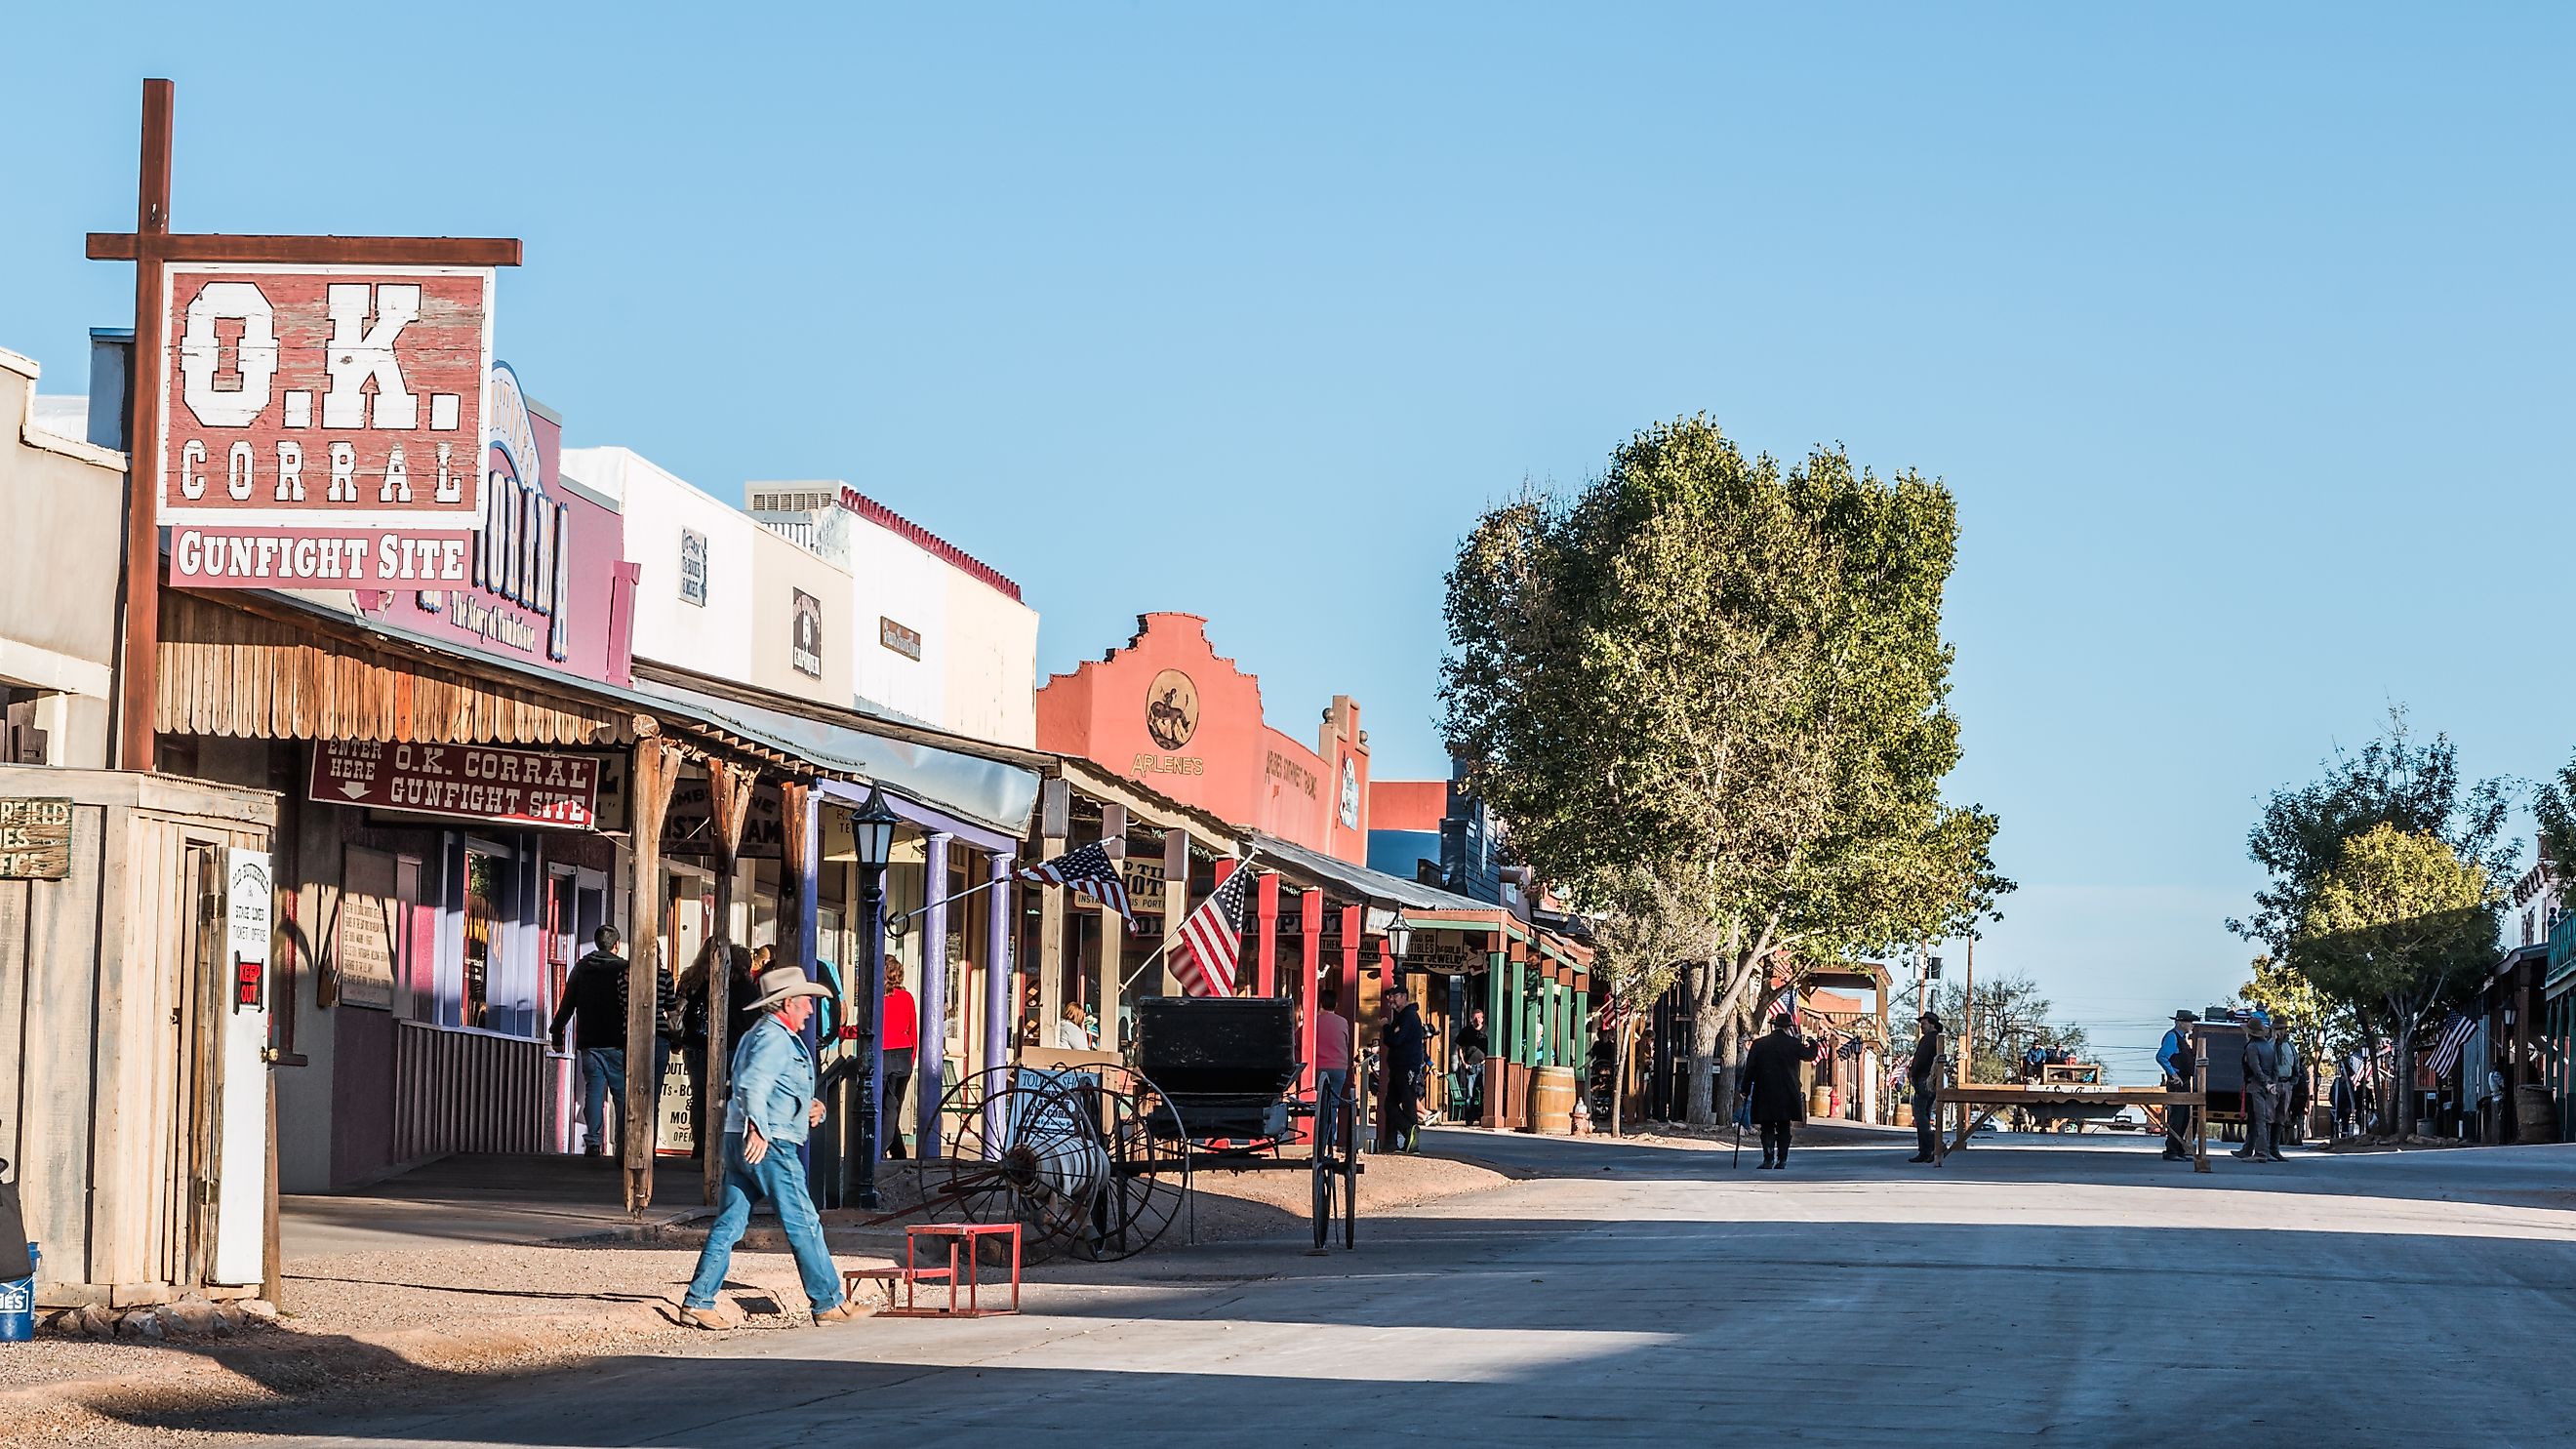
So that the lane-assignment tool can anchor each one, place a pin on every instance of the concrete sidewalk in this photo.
(488, 1198)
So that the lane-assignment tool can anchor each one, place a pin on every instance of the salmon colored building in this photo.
(1169, 712)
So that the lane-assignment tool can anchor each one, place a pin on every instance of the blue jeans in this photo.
(778, 1177)
(1331, 1084)
(603, 1075)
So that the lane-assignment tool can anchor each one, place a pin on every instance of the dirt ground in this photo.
(354, 1320)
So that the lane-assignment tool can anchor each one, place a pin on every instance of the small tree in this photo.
(2399, 922)
(1657, 926)
(2011, 1016)
(2318, 1024)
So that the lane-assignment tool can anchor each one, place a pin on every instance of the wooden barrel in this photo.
(1551, 1101)
(2535, 1115)
(1820, 1102)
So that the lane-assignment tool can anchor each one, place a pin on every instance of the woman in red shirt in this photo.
(902, 1038)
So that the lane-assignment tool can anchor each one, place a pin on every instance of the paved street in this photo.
(2070, 1291)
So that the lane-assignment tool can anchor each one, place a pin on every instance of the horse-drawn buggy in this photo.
(1097, 1160)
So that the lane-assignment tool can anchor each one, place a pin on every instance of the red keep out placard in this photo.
(323, 427)
(471, 782)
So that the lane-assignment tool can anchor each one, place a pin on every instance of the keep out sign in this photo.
(466, 782)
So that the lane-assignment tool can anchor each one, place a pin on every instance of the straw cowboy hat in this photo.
(778, 983)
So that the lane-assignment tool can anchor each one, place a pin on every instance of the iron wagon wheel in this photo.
(1149, 1153)
(1350, 1180)
(1028, 1154)
(1320, 1206)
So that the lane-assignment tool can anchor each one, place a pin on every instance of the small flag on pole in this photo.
(2455, 1035)
(1212, 939)
(1086, 872)
(1787, 1003)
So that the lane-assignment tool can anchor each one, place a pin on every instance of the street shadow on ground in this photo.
(1594, 1334)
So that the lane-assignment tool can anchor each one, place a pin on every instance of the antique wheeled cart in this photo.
(1096, 1161)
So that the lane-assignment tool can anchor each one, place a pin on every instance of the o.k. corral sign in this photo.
(466, 782)
(323, 426)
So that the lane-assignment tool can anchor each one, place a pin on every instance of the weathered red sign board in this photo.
(469, 782)
(323, 427)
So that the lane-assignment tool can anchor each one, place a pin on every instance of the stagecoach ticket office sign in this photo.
(323, 426)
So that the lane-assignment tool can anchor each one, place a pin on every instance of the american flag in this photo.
(2455, 1035)
(1212, 939)
(1786, 1005)
(1087, 872)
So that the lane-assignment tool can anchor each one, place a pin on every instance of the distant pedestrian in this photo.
(2344, 1100)
(902, 1039)
(2261, 1092)
(1775, 1097)
(2179, 1060)
(1071, 1035)
(2289, 1097)
(1472, 1047)
(1408, 1060)
(1332, 1066)
(594, 1001)
(1923, 1076)
(769, 1107)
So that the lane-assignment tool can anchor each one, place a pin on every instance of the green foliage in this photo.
(2397, 920)
(2393, 781)
(2320, 1025)
(1731, 673)
(2011, 1017)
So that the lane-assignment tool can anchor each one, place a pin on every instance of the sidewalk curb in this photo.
(238, 1376)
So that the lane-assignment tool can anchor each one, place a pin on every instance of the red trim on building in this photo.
(927, 541)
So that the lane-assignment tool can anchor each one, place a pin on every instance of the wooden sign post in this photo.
(153, 247)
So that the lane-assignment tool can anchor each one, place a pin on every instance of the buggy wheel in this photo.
(1148, 1179)
(1029, 1156)
(1320, 1197)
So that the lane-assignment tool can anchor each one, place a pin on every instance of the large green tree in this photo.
(2401, 922)
(1711, 664)
(1656, 924)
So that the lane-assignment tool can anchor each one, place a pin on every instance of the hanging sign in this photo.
(467, 782)
(323, 427)
(247, 904)
(35, 839)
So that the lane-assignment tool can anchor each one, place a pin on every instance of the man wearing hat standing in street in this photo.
(1923, 1074)
(2180, 1063)
(768, 1110)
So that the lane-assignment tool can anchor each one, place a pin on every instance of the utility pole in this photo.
(1968, 1016)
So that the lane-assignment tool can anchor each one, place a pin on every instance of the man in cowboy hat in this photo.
(768, 1108)
(2180, 1062)
(1923, 1074)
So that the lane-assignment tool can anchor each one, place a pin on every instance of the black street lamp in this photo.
(873, 831)
(1399, 936)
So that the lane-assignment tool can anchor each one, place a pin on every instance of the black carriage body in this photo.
(1226, 1063)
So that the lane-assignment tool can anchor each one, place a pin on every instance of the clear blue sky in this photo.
(2243, 337)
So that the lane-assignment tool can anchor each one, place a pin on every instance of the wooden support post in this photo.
(729, 789)
(1310, 977)
(1001, 997)
(1176, 905)
(657, 766)
(930, 1049)
(1055, 808)
(1353, 919)
(1265, 962)
(1497, 967)
(2200, 1114)
(139, 646)
(1113, 933)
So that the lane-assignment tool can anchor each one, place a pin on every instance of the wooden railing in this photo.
(468, 1091)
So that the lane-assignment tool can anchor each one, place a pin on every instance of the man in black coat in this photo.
(1923, 1075)
(1775, 1098)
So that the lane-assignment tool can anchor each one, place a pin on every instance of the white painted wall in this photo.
(714, 638)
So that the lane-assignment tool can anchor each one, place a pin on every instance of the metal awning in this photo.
(1363, 885)
(993, 794)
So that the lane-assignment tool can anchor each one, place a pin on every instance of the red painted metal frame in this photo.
(956, 1236)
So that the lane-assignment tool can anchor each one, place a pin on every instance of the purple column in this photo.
(1000, 1000)
(930, 1062)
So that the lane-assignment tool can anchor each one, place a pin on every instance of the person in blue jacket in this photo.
(769, 1107)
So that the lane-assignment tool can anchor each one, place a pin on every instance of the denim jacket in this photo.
(773, 1081)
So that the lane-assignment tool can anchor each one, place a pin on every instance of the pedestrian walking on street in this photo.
(769, 1107)
(902, 1039)
(1773, 1093)
(2343, 1099)
(1471, 1048)
(2180, 1062)
(2262, 1092)
(1923, 1076)
(594, 1001)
